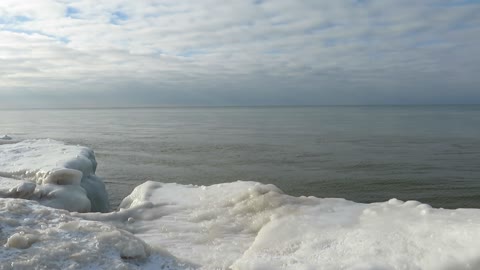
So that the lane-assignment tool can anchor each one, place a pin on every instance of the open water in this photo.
(361, 153)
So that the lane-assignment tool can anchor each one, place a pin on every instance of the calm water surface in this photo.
(365, 154)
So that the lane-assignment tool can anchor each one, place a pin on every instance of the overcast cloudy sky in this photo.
(238, 52)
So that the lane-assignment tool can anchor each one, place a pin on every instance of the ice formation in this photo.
(38, 237)
(7, 140)
(6, 137)
(55, 174)
(248, 225)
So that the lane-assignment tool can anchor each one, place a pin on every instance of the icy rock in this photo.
(63, 175)
(6, 137)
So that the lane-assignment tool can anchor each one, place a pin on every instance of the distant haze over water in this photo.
(362, 153)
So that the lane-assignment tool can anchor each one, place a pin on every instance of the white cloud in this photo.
(318, 51)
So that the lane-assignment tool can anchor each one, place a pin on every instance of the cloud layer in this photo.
(238, 52)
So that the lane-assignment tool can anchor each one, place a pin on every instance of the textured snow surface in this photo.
(55, 174)
(33, 236)
(248, 225)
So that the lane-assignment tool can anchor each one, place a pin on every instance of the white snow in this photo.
(248, 225)
(55, 174)
(38, 237)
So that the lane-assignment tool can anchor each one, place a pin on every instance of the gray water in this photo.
(365, 153)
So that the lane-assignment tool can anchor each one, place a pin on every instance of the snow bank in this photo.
(38, 237)
(247, 225)
(55, 174)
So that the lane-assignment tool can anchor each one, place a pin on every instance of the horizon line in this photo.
(236, 106)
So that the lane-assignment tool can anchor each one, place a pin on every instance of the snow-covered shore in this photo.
(238, 225)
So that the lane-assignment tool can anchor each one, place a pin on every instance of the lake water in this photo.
(362, 153)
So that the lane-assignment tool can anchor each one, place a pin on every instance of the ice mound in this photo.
(5, 137)
(55, 174)
(247, 225)
(7, 140)
(38, 237)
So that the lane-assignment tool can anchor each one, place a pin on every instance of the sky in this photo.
(94, 53)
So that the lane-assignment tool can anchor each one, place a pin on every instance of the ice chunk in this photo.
(7, 140)
(39, 237)
(21, 240)
(6, 137)
(64, 175)
(11, 188)
(248, 225)
(23, 190)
